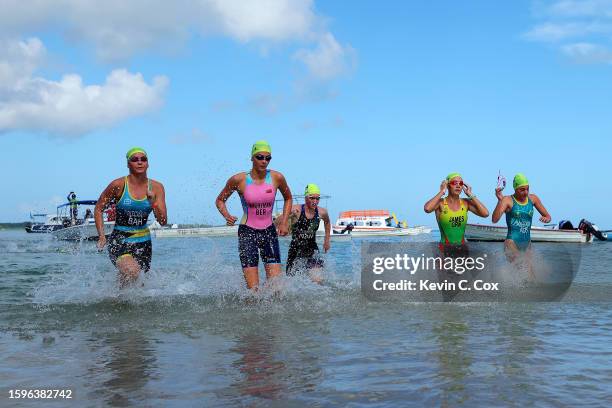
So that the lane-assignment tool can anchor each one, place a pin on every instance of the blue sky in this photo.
(375, 102)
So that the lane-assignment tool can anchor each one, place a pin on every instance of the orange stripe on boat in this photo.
(364, 213)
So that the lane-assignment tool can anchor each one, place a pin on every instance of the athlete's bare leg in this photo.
(511, 250)
(316, 275)
(513, 253)
(128, 270)
(251, 277)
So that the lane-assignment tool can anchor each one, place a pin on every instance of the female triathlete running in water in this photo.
(452, 213)
(257, 234)
(519, 214)
(134, 197)
(303, 248)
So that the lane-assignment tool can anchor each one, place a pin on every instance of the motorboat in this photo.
(562, 232)
(176, 232)
(80, 229)
(226, 231)
(360, 223)
(42, 223)
(223, 231)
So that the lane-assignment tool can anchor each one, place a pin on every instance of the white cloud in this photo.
(19, 59)
(582, 8)
(140, 24)
(553, 32)
(587, 53)
(265, 19)
(329, 59)
(588, 21)
(67, 107)
(118, 29)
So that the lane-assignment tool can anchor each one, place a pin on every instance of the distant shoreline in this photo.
(12, 225)
(22, 225)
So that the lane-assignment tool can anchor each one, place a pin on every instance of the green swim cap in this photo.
(452, 176)
(312, 189)
(133, 151)
(261, 146)
(520, 181)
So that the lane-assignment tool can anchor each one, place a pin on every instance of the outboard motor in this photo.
(589, 228)
(566, 225)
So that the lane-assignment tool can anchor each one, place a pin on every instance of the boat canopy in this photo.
(81, 202)
(364, 213)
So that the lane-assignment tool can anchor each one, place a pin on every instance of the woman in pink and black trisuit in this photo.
(257, 235)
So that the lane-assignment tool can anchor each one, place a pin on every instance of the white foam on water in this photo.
(197, 274)
(535, 268)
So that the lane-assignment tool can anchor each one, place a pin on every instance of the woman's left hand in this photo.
(467, 189)
(283, 228)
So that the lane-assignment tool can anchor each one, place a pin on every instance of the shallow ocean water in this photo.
(190, 336)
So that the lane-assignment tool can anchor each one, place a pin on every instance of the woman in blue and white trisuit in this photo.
(135, 196)
(519, 215)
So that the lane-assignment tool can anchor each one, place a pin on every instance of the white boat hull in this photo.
(380, 232)
(423, 229)
(82, 232)
(478, 232)
(221, 231)
(373, 223)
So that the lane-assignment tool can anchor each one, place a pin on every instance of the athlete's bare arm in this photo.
(110, 195)
(296, 210)
(157, 198)
(478, 208)
(537, 203)
(293, 217)
(474, 204)
(327, 225)
(501, 208)
(281, 183)
(233, 184)
(434, 203)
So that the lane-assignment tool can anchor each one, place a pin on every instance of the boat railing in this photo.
(298, 199)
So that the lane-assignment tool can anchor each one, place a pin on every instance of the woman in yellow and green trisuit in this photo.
(452, 212)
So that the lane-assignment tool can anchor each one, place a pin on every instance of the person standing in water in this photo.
(74, 208)
(134, 197)
(303, 247)
(452, 213)
(257, 234)
(519, 215)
